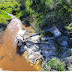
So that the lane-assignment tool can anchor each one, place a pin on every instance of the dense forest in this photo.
(40, 15)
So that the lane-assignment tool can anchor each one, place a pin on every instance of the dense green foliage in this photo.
(40, 14)
(54, 64)
(4, 18)
(9, 6)
(46, 13)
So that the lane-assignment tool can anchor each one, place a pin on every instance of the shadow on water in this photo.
(19, 51)
(2, 28)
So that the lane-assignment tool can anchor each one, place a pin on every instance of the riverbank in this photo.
(9, 59)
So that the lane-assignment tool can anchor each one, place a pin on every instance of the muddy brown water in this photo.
(9, 59)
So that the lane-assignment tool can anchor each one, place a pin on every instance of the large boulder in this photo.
(69, 59)
(35, 38)
(19, 42)
(32, 48)
(21, 32)
(35, 56)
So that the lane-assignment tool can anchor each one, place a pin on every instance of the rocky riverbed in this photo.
(38, 49)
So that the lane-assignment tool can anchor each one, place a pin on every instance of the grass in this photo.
(8, 7)
(4, 18)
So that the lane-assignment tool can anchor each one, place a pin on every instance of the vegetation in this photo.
(45, 67)
(4, 18)
(10, 7)
(69, 28)
(41, 15)
(54, 64)
(46, 13)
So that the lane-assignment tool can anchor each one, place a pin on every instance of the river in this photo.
(9, 59)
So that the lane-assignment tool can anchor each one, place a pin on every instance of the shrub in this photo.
(4, 18)
(45, 67)
(10, 7)
(49, 13)
(53, 64)
(56, 64)
(69, 28)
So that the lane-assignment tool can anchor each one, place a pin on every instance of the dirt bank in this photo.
(9, 59)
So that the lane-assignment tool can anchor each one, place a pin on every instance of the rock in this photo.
(26, 37)
(69, 59)
(71, 50)
(64, 43)
(1, 57)
(30, 31)
(44, 46)
(21, 32)
(25, 47)
(35, 56)
(48, 53)
(34, 47)
(47, 38)
(31, 56)
(12, 59)
(49, 43)
(19, 43)
(66, 52)
(22, 49)
(29, 43)
(52, 47)
(38, 53)
(35, 38)
(30, 51)
(19, 38)
(65, 38)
